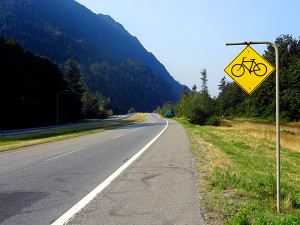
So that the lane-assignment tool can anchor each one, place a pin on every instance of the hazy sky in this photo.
(187, 35)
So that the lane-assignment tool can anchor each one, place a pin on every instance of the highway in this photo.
(37, 129)
(38, 184)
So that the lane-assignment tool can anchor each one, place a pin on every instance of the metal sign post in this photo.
(277, 110)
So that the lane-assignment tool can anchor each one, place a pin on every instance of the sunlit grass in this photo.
(9, 142)
(236, 169)
(289, 137)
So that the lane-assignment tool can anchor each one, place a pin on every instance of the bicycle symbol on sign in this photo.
(259, 69)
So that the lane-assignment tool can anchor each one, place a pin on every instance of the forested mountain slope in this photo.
(106, 52)
(29, 86)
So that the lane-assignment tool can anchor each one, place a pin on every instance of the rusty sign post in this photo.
(277, 109)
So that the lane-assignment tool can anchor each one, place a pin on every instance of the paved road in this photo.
(37, 129)
(38, 185)
(41, 183)
(159, 188)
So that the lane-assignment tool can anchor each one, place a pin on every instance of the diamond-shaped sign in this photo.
(249, 69)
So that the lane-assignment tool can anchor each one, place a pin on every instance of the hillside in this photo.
(65, 29)
(27, 98)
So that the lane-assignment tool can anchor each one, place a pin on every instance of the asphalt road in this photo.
(37, 129)
(41, 183)
(158, 188)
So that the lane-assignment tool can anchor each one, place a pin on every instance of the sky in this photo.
(188, 35)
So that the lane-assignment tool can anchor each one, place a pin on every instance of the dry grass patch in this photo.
(236, 170)
(289, 137)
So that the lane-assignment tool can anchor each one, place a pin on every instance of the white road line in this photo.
(65, 154)
(87, 199)
(118, 136)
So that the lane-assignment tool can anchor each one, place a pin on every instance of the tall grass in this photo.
(289, 137)
(236, 167)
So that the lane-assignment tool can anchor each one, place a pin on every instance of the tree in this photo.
(88, 106)
(73, 77)
(131, 110)
(222, 84)
(94, 105)
(183, 92)
(77, 87)
(229, 100)
(30, 84)
(194, 88)
(204, 88)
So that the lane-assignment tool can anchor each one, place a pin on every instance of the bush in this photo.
(102, 114)
(196, 115)
(214, 121)
(196, 108)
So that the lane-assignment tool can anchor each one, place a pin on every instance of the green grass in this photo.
(9, 142)
(237, 176)
(295, 123)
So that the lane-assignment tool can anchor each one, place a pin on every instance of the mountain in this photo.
(63, 29)
(28, 99)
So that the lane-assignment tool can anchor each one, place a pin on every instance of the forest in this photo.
(31, 86)
(233, 102)
(111, 60)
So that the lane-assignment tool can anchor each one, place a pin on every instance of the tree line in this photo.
(32, 86)
(232, 101)
(112, 62)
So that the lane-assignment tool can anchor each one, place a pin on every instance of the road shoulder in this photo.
(159, 188)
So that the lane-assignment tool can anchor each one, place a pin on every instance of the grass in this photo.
(9, 142)
(94, 120)
(236, 169)
(295, 123)
(289, 137)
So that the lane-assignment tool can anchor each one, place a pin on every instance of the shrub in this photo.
(214, 121)
(196, 115)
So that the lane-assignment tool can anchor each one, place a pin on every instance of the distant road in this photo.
(31, 130)
(40, 183)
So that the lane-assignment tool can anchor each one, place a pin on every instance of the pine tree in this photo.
(73, 77)
(183, 92)
(194, 88)
(204, 88)
(222, 84)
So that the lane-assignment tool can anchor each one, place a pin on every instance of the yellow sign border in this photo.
(249, 93)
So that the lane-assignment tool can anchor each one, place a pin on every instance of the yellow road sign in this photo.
(249, 69)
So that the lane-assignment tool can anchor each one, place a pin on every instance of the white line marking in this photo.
(65, 154)
(118, 136)
(67, 216)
